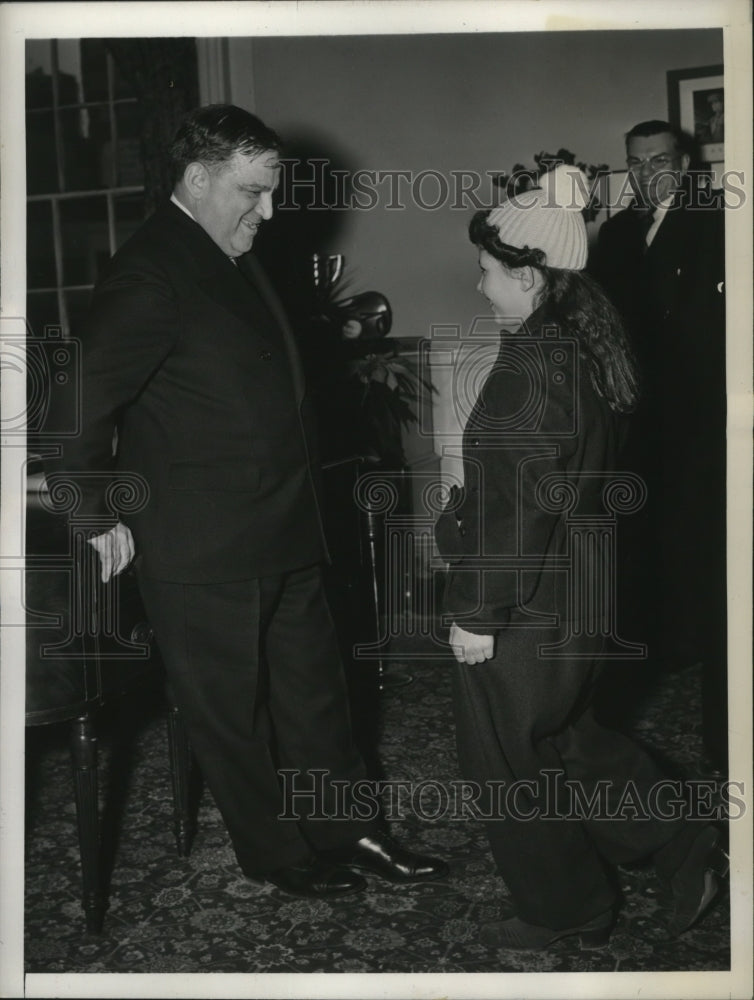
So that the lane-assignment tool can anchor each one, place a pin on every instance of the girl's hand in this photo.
(470, 648)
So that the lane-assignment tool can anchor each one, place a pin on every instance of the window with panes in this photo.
(85, 179)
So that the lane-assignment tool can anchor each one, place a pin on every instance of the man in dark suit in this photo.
(662, 262)
(188, 354)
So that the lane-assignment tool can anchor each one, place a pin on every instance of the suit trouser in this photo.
(255, 669)
(675, 548)
(518, 717)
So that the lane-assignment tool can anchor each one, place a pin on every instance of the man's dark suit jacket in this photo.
(671, 296)
(192, 357)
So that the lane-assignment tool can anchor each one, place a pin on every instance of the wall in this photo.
(451, 103)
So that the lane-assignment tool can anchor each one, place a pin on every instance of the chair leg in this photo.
(84, 758)
(180, 769)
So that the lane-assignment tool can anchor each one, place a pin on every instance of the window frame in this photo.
(110, 190)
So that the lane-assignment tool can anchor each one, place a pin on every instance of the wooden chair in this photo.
(87, 645)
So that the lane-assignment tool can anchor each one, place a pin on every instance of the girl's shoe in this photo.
(698, 879)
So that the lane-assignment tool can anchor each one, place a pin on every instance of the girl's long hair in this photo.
(581, 309)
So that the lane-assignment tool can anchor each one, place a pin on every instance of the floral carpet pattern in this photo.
(199, 914)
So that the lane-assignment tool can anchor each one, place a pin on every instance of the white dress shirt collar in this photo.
(181, 206)
(659, 214)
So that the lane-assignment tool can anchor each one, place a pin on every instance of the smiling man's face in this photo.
(657, 165)
(236, 197)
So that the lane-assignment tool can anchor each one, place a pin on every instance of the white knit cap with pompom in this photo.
(548, 218)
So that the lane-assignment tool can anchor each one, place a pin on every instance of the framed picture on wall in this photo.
(716, 174)
(696, 105)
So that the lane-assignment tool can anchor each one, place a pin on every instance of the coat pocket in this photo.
(225, 477)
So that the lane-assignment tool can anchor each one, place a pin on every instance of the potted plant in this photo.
(367, 381)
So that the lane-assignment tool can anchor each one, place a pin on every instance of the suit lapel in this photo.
(252, 270)
(638, 231)
(671, 233)
(213, 272)
(228, 284)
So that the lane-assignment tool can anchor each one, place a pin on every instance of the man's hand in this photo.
(116, 550)
(470, 648)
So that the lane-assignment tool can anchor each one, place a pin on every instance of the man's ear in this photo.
(685, 161)
(195, 178)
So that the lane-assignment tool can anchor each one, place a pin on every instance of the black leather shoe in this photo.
(520, 936)
(697, 881)
(380, 855)
(317, 879)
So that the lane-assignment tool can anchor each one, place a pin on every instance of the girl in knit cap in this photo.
(530, 597)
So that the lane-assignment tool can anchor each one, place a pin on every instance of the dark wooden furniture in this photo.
(88, 644)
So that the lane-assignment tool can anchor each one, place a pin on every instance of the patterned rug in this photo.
(201, 915)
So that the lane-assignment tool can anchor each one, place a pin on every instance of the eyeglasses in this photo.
(660, 162)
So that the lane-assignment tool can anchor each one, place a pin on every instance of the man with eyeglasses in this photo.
(661, 260)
